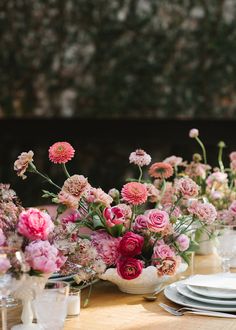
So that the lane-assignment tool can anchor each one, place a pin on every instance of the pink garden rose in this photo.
(35, 224)
(186, 187)
(140, 222)
(161, 251)
(158, 220)
(113, 216)
(106, 246)
(205, 212)
(4, 265)
(129, 268)
(140, 158)
(44, 257)
(2, 237)
(131, 244)
(182, 242)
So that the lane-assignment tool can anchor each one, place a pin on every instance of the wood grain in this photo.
(114, 310)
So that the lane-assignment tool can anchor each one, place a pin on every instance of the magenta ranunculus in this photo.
(182, 242)
(140, 222)
(4, 265)
(129, 268)
(157, 220)
(131, 244)
(44, 257)
(35, 224)
(113, 216)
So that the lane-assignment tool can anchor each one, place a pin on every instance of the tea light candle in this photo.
(73, 307)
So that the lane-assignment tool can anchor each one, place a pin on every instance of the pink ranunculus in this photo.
(2, 237)
(158, 220)
(160, 252)
(131, 244)
(4, 265)
(113, 216)
(205, 212)
(168, 266)
(232, 156)
(44, 257)
(106, 246)
(186, 187)
(140, 223)
(129, 268)
(182, 242)
(134, 193)
(35, 224)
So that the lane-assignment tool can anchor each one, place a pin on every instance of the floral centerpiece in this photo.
(146, 228)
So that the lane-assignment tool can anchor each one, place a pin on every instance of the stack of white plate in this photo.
(215, 292)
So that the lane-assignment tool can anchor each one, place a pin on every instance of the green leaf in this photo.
(61, 209)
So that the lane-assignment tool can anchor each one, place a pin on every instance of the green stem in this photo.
(47, 179)
(132, 217)
(89, 294)
(220, 154)
(65, 170)
(175, 205)
(203, 149)
(141, 174)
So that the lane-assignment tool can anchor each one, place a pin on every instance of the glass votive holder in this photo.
(73, 307)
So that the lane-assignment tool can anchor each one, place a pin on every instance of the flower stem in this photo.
(203, 149)
(65, 170)
(47, 179)
(141, 174)
(220, 154)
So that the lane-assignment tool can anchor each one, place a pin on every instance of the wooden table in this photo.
(112, 310)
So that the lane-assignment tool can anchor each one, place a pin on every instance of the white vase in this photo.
(29, 287)
(147, 282)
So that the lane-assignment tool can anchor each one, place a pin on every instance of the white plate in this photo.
(213, 293)
(172, 294)
(183, 289)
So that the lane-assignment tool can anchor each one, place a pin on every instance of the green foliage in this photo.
(129, 58)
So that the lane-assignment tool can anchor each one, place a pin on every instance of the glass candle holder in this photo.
(73, 308)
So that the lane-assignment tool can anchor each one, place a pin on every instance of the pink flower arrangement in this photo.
(140, 158)
(35, 224)
(129, 268)
(113, 216)
(134, 193)
(131, 244)
(61, 152)
(157, 221)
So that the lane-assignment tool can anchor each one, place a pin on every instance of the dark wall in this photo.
(102, 147)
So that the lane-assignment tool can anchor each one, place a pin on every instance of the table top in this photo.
(109, 308)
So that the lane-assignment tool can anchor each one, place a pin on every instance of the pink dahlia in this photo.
(44, 257)
(134, 193)
(113, 216)
(157, 220)
(205, 212)
(76, 185)
(35, 224)
(186, 187)
(61, 152)
(174, 161)
(129, 268)
(161, 170)
(22, 163)
(193, 133)
(140, 158)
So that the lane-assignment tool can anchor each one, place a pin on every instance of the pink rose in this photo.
(4, 265)
(113, 216)
(157, 220)
(131, 244)
(182, 242)
(129, 268)
(186, 187)
(140, 222)
(2, 237)
(35, 224)
(160, 252)
(44, 257)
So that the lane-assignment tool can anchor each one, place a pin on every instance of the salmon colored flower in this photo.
(61, 152)
(68, 200)
(134, 193)
(161, 170)
(22, 163)
(76, 185)
(168, 266)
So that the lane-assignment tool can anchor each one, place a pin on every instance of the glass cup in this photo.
(73, 308)
(226, 245)
(51, 305)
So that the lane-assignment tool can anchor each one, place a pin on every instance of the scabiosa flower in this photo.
(76, 186)
(174, 161)
(193, 133)
(205, 212)
(61, 152)
(140, 158)
(186, 187)
(134, 193)
(161, 170)
(22, 163)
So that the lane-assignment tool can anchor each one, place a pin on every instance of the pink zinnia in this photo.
(134, 193)
(140, 158)
(61, 152)
(161, 170)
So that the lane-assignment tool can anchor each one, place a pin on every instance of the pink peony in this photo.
(186, 187)
(205, 212)
(35, 224)
(174, 161)
(161, 170)
(129, 268)
(193, 133)
(232, 156)
(218, 177)
(131, 244)
(44, 257)
(61, 152)
(140, 158)
(113, 216)
(134, 193)
(22, 163)
(2, 237)
(160, 252)
(4, 265)
(157, 220)
(106, 246)
(140, 223)
(168, 266)
(97, 195)
(182, 242)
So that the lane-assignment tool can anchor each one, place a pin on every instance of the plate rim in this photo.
(195, 288)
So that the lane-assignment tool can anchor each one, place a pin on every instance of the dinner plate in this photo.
(172, 294)
(183, 289)
(212, 292)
